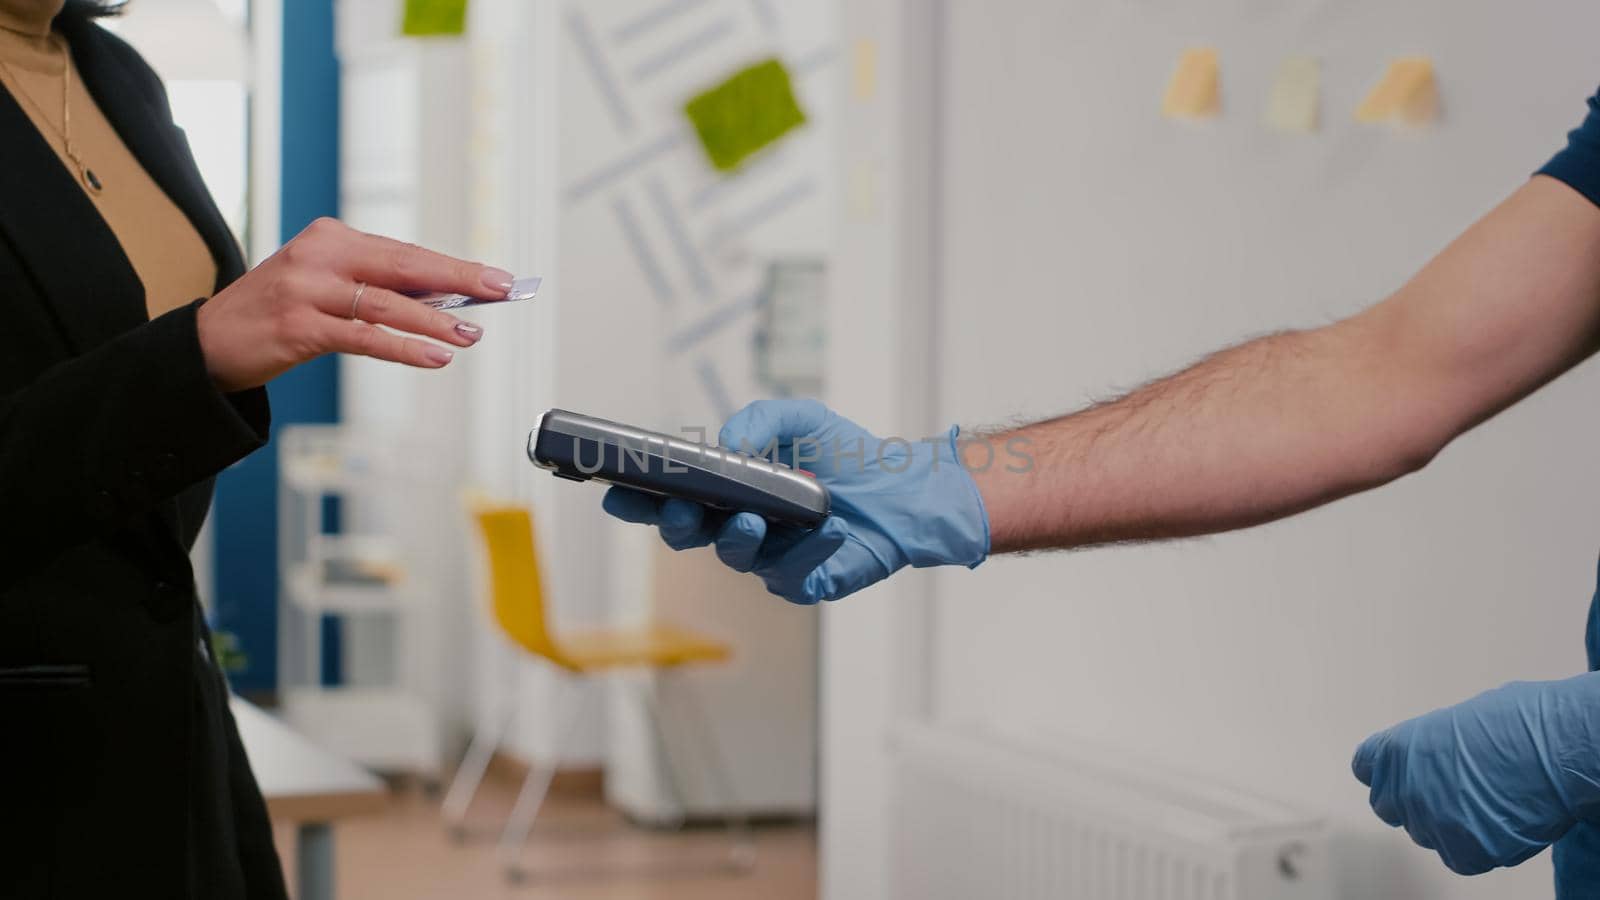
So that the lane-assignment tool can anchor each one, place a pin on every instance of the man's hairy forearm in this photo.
(1250, 434)
(1293, 420)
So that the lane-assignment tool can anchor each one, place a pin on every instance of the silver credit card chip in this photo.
(521, 289)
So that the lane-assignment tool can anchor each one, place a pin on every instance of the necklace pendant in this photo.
(92, 180)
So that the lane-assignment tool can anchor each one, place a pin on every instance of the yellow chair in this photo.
(517, 602)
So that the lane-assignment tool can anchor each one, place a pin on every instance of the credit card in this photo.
(521, 289)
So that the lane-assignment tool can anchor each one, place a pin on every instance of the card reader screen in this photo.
(583, 448)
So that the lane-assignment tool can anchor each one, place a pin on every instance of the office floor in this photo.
(580, 850)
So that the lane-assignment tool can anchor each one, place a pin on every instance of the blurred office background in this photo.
(984, 217)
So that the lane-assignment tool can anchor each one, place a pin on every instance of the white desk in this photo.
(308, 786)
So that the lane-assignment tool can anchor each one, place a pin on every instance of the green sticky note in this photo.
(433, 17)
(745, 113)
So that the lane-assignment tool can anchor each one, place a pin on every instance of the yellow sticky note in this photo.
(1195, 89)
(1408, 93)
(864, 80)
(1292, 106)
(434, 17)
(863, 191)
(746, 112)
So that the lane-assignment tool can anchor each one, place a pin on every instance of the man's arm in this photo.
(1248, 435)
(1294, 420)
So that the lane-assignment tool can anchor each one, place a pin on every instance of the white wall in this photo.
(442, 146)
(655, 247)
(875, 663)
(1101, 245)
(403, 174)
(510, 149)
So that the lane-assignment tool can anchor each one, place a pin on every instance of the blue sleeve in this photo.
(1579, 164)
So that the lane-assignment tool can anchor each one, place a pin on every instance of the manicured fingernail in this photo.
(469, 331)
(439, 355)
(497, 280)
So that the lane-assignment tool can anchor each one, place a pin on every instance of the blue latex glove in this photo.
(895, 504)
(1577, 855)
(1492, 781)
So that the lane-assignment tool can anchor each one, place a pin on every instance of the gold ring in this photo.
(361, 287)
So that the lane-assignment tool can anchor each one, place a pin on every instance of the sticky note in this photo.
(746, 113)
(1195, 89)
(1408, 93)
(424, 18)
(1292, 105)
(864, 80)
(862, 189)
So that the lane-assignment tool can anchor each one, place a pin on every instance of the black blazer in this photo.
(121, 773)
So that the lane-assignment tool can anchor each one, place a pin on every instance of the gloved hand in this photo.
(895, 503)
(1576, 856)
(1492, 781)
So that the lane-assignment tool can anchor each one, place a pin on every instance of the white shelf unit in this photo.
(384, 712)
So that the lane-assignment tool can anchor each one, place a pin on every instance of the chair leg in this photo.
(669, 770)
(469, 775)
(742, 847)
(536, 786)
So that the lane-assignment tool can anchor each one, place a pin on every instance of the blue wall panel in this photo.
(245, 516)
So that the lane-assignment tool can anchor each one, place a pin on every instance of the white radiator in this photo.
(984, 817)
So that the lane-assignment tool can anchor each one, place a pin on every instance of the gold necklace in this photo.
(65, 131)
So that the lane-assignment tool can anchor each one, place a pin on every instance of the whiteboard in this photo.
(1101, 245)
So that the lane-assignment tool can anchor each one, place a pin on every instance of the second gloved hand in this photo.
(1494, 780)
(896, 503)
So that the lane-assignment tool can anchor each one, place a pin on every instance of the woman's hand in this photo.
(296, 306)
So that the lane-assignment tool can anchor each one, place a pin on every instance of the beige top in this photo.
(161, 243)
